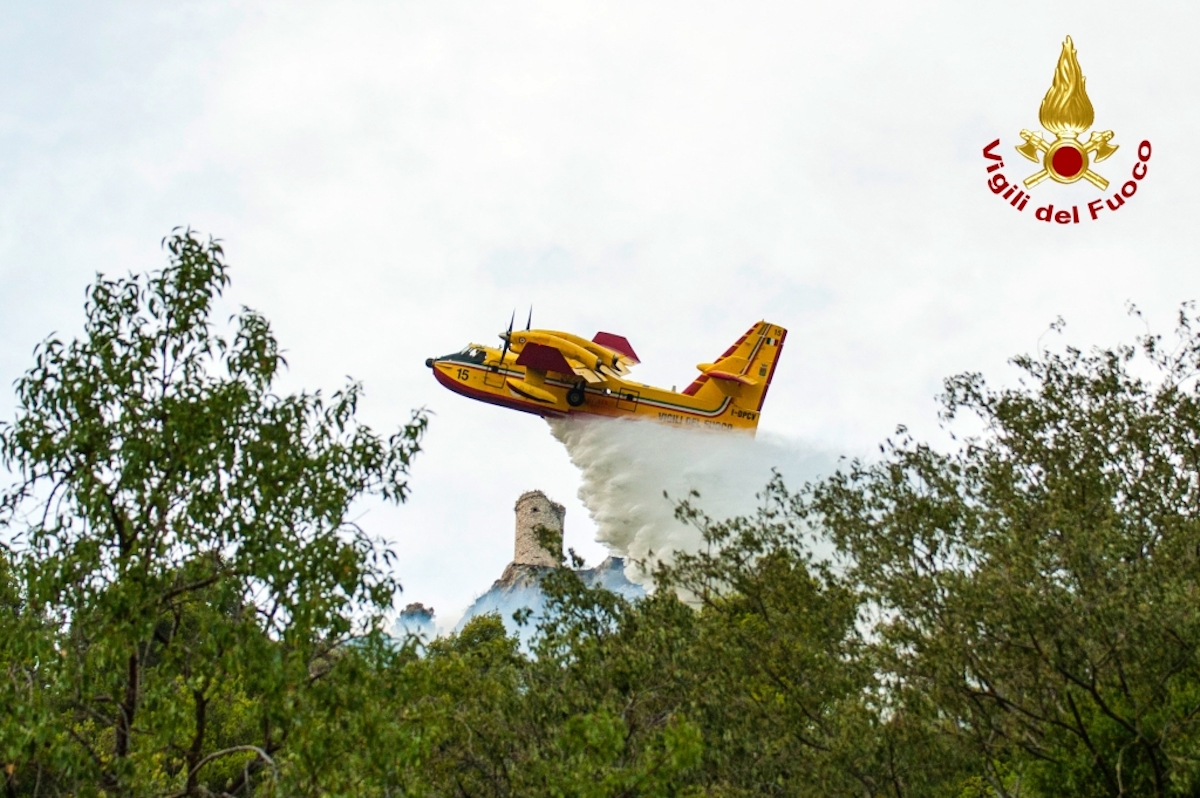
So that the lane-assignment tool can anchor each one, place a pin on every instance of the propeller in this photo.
(529, 324)
(507, 336)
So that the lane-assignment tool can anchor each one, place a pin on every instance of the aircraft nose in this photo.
(428, 362)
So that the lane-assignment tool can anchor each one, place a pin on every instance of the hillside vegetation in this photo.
(186, 610)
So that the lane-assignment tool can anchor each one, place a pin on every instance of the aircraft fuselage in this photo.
(726, 397)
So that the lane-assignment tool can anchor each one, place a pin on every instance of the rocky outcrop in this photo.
(519, 587)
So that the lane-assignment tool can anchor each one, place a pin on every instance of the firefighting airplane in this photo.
(554, 374)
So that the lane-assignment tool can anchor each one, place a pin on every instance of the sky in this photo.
(392, 179)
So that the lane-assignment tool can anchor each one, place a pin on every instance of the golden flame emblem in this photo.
(1067, 112)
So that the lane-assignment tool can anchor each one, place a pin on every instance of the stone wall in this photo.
(534, 509)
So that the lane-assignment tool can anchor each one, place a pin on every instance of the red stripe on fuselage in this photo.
(492, 398)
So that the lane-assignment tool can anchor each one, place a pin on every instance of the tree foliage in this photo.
(183, 557)
(1040, 583)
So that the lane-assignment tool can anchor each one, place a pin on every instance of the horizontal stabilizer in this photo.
(546, 358)
(729, 365)
(616, 343)
(727, 376)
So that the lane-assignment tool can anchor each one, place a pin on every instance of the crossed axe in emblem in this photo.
(1097, 143)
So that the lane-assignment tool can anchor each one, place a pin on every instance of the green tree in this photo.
(783, 685)
(182, 571)
(1039, 586)
(590, 712)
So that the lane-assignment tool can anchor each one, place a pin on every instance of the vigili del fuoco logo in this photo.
(1067, 113)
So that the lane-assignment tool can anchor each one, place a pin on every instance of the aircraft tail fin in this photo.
(745, 370)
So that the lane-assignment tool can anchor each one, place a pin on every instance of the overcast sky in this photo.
(392, 179)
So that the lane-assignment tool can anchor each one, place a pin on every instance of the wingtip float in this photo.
(552, 373)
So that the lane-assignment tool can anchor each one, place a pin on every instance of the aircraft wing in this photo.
(547, 358)
(544, 358)
(619, 344)
(626, 357)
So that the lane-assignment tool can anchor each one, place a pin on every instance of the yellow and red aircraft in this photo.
(552, 373)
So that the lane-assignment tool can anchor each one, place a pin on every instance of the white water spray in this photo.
(627, 464)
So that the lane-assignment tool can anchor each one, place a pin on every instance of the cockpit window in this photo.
(470, 354)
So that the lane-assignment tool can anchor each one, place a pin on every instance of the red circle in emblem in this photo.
(1068, 161)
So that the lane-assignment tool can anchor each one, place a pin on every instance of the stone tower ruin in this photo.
(535, 510)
